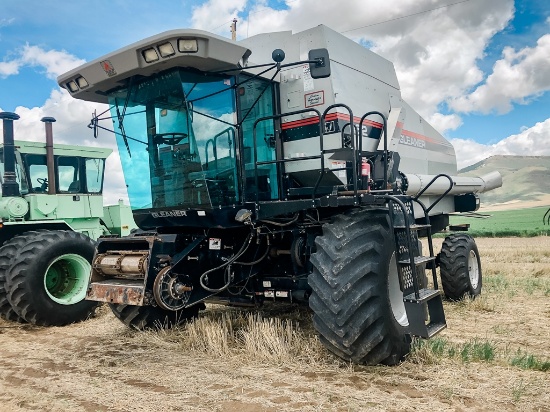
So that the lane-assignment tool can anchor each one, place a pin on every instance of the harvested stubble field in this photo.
(494, 356)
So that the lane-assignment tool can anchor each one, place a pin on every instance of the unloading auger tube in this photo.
(415, 183)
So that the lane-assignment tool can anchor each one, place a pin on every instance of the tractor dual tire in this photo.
(8, 251)
(460, 267)
(153, 317)
(356, 299)
(47, 280)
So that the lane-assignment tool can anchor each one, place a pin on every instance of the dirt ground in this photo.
(99, 365)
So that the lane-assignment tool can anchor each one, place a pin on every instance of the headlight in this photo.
(166, 49)
(188, 45)
(150, 55)
(72, 86)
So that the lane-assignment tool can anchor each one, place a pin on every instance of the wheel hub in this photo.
(473, 269)
(66, 278)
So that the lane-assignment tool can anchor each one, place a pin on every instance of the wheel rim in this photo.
(473, 269)
(396, 295)
(66, 279)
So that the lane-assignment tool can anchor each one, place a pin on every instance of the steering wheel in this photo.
(43, 183)
(169, 138)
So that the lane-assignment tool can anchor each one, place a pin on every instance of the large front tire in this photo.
(460, 267)
(153, 317)
(47, 281)
(358, 307)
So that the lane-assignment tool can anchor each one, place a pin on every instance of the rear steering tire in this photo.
(153, 317)
(356, 299)
(460, 267)
(47, 280)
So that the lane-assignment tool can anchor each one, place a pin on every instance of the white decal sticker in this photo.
(314, 99)
(214, 243)
(266, 284)
(308, 81)
(338, 165)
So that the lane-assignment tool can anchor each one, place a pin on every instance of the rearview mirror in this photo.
(321, 68)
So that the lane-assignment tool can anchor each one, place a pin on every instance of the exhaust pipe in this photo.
(49, 154)
(461, 184)
(10, 188)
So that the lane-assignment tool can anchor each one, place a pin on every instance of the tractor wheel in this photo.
(7, 253)
(47, 281)
(356, 298)
(460, 267)
(152, 317)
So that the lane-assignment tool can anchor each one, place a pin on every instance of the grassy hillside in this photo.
(525, 178)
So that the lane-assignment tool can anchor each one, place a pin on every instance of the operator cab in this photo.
(74, 174)
(177, 137)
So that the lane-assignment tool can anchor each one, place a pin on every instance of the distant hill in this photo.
(525, 179)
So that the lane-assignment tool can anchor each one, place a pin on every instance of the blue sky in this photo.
(476, 69)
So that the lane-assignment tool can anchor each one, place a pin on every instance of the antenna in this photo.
(233, 28)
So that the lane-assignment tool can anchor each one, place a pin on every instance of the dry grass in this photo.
(494, 355)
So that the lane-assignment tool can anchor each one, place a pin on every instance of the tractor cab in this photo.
(75, 172)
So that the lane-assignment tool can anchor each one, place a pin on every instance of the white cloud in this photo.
(435, 53)
(6, 22)
(517, 77)
(9, 68)
(443, 122)
(534, 141)
(214, 15)
(72, 117)
(54, 62)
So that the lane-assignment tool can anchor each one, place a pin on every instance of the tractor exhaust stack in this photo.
(9, 184)
(49, 154)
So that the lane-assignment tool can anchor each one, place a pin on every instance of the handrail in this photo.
(440, 196)
(230, 131)
(391, 198)
(385, 131)
(255, 142)
(353, 148)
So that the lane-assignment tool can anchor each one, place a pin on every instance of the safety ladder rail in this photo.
(426, 211)
(407, 226)
(424, 306)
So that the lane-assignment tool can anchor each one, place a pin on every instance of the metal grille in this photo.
(403, 245)
(406, 278)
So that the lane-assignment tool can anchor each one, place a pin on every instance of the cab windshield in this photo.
(176, 139)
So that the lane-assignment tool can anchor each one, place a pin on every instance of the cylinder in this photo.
(9, 184)
(123, 265)
(49, 154)
(460, 184)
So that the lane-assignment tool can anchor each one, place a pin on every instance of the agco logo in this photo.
(108, 68)
(412, 141)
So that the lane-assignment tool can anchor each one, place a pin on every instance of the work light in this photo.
(188, 45)
(166, 49)
(150, 55)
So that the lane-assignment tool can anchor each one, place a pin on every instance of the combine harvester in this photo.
(51, 211)
(307, 182)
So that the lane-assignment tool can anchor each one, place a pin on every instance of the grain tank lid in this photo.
(185, 48)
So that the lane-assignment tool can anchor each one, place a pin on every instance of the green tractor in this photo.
(51, 213)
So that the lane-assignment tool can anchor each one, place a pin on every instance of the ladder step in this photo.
(424, 295)
(435, 328)
(418, 260)
(425, 314)
(413, 227)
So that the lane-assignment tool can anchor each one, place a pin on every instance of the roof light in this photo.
(150, 55)
(188, 45)
(166, 49)
(82, 83)
(72, 86)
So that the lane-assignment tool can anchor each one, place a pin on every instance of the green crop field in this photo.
(521, 222)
